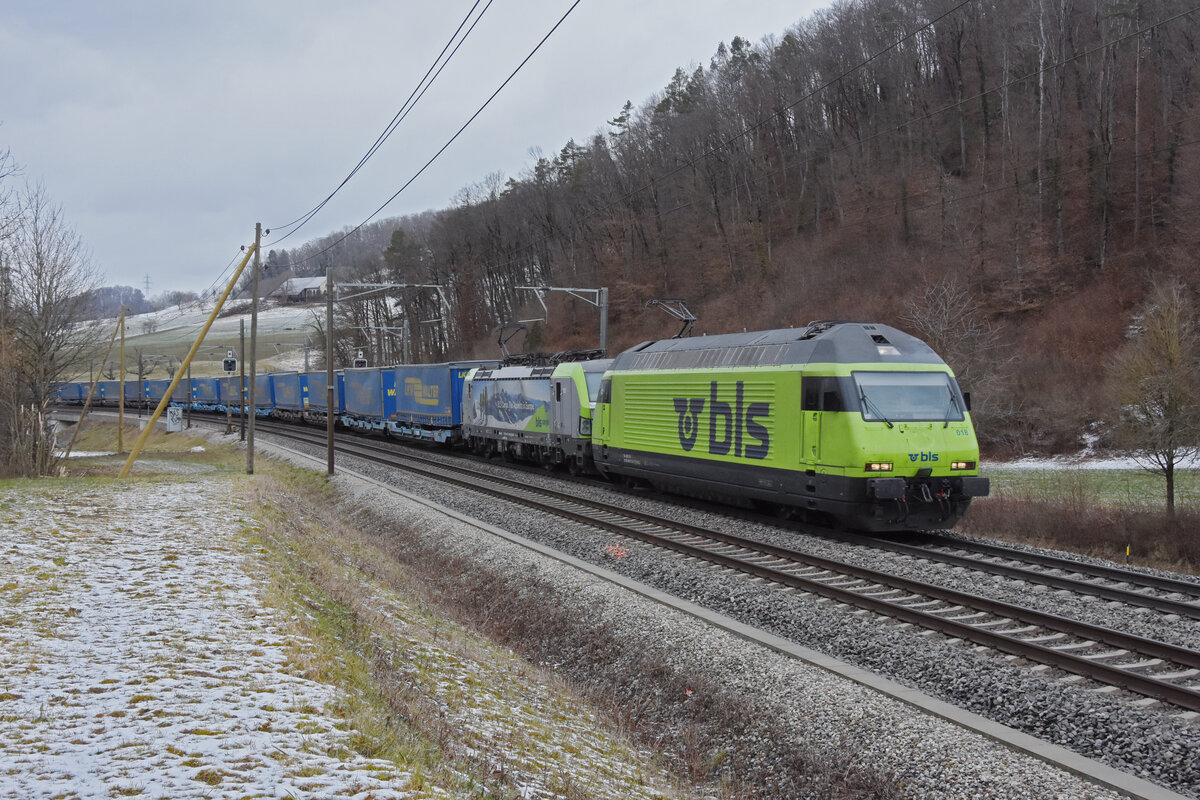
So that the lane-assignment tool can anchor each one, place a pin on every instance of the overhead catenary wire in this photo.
(414, 97)
(686, 164)
(452, 139)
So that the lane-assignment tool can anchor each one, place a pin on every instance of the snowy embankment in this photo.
(138, 659)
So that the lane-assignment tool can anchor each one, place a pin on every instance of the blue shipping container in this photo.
(317, 391)
(229, 390)
(262, 392)
(370, 393)
(290, 390)
(206, 390)
(72, 392)
(431, 394)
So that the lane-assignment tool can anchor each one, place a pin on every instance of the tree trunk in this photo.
(1170, 473)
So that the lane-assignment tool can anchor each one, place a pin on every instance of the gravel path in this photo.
(933, 759)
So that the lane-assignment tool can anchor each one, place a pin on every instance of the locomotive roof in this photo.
(820, 342)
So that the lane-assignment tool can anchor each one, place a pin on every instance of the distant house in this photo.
(300, 290)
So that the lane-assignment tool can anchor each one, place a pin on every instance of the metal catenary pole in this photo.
(330, 389)
(242, 384)
(189, 395)
(253, 353)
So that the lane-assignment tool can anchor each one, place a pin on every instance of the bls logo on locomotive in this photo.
(728, 424)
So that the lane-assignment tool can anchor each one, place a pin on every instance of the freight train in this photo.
(856, 424)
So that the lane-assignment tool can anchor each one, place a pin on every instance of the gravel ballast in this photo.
(889, 740)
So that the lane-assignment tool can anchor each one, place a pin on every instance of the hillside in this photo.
(161, 339)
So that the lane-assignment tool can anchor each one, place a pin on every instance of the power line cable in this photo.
(451, 140)
(414, 97)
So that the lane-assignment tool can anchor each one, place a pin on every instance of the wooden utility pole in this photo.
(253, 352)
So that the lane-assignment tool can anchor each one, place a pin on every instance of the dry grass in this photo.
(1075, 524)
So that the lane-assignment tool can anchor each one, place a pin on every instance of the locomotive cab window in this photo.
(909, 397)
(593, 380)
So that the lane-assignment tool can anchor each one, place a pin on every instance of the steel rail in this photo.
(1128, 597)
(1099, 570)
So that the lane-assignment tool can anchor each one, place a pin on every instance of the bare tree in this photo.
(947, 316)
(1156, 385)
(45, 285)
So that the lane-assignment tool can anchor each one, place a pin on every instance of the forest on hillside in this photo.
(1008, 179)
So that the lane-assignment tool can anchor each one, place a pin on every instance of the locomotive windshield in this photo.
(909, 397)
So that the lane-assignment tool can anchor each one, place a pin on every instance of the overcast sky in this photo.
(165, 130)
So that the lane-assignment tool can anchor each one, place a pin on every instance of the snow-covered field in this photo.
(282, 332)
(138, 660)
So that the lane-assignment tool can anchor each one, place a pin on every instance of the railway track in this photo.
(1166, 595)
(1144, 666)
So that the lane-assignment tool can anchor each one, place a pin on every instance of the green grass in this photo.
(1100, 512)
(1113, 488)
(101, 437)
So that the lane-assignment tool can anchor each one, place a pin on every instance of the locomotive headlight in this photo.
(878, 466)
(585, 426)
(962, 465)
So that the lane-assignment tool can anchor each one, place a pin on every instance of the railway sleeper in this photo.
(1105, 656)
(1084, 645)
(1177, 676)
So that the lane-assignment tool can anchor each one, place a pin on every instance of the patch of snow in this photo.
(1086, 459)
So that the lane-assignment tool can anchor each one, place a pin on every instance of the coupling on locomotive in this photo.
(857, 424)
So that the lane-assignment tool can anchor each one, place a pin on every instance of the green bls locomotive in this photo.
(856, 423)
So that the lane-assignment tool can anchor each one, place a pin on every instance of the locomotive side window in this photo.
(823, 394)
(605, 395)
